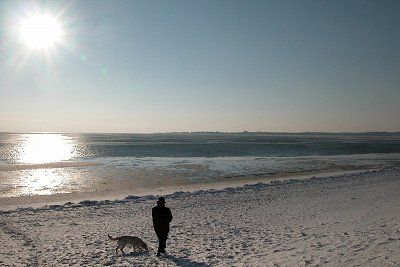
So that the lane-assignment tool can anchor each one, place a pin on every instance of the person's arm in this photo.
(169, 218)
(154, 216)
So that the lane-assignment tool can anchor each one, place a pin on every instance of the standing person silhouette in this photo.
(162, 216)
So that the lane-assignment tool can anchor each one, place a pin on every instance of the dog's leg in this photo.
(116, 250)
(122, 249)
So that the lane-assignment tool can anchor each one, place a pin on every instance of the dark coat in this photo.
(162, 216)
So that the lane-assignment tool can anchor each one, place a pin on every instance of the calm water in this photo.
(45, 148)
(55, 163)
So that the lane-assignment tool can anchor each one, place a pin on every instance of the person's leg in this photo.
(160, 247)
(164, 241)
(160, 243)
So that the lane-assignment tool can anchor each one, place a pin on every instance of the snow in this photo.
(344, 220)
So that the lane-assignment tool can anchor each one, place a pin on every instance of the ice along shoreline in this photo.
(100, 196)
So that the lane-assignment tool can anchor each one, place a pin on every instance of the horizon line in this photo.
(206, 132)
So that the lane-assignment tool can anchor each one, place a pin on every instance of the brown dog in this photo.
(132, 241)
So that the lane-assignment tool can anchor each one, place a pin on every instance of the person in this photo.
(162, 216)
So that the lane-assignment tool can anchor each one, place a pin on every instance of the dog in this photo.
(132, 241)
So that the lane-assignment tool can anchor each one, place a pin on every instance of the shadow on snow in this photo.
(185, 261)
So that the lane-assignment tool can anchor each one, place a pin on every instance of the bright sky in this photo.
(159, 66)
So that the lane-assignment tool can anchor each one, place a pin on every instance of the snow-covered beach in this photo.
(270, 130)
(344, 220)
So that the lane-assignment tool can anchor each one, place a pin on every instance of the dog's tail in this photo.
(112, 237)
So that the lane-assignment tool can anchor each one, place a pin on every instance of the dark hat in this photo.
(161, 200)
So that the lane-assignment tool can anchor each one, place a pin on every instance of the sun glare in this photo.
(40, 31)
(45, 148)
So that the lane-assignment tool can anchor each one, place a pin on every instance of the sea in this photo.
(52, 163)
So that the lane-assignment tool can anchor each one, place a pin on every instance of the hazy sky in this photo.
(157, 66)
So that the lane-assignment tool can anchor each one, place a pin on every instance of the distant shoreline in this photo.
(218, 132)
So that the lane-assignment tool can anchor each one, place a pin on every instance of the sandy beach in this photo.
(341, 220)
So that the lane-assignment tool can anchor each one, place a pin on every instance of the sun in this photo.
(40, 31)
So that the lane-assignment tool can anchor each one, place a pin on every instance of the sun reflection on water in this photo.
(42, 182)
(45, 148)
